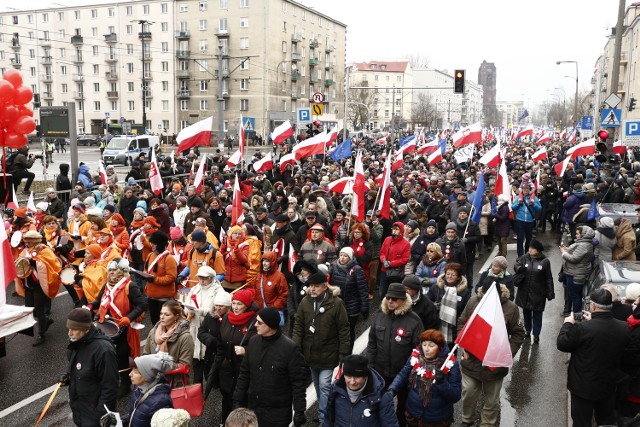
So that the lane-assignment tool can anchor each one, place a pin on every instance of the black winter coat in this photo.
(127, 206)
(160, 398)
(209, 329)
(93, 374)
(419, 248)
(502, 225)
(453, 250)
(596, 348)
(273, 377)
(427, 311)
(470, 239)
(537, 285)
(353, 287)
(507, 280)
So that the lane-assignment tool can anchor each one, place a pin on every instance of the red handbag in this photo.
(188, 397)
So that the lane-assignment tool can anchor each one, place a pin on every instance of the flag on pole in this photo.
(236, 205)
(478, 200)
(572, 137)
(199, 179)
(278, 248)
(502, 182)
(310, 147)
(332, 135)
(585, 148)
(342, 185)
(544, 138)
(13, 204)
(560, 167)
(408, 139)
(357, 198)
(198, 134)
(293, 258)
(467, 135)
(103, 171)
(593, 213)
(154, 175)
(193, 169)
(31, 205)
(485, 333)
(492, 157)
(282, 132)
(524, 115)
(384, 204)
(342, 151)
(264, 164)
(287, 159)
(527, 131)
(434, 157)
(618, 148)
(537, 181)
(235, 158)
(539, 155)
(463, 154)
(173, 161)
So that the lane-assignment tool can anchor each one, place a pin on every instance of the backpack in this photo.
(10, 159)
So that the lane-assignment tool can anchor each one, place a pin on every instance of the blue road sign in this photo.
(587, 122)
(249, 124)
(304, 114)
(611, 117)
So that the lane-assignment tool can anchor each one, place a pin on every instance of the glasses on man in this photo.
(392, 299)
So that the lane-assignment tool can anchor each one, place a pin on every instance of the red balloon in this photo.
(7, 92)
(24, 125)
(23, 94)
(25, 111)
(15, 140)
(8, 115)
(13, 76)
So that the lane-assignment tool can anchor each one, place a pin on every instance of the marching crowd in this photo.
(259, 303)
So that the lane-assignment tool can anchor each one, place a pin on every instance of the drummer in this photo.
(93, 273)
(41, 281)
(120, 234)
(97, 224)
(163, 270)
(122, 303)
(20, 225)
(108, 247)
(79, 228)
(62, 246)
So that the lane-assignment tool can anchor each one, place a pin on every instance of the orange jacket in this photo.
(273, 284)
(165, 271)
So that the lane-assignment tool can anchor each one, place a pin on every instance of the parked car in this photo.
(88, 140)
(618, 210)
(616, 273)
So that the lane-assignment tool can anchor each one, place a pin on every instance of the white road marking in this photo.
(13, 408)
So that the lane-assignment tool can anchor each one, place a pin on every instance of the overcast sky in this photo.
(523, 38)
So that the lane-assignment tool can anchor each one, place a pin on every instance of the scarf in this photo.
(117, 230)
(163, 334)
(136, 224)
(449, 312)
(498, 276)
(633, 322)
(240, 319)
(50, 235)
(422, 374)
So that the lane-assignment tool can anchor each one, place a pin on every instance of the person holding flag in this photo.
(525, 207)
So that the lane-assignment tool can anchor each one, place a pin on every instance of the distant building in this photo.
(487, 78)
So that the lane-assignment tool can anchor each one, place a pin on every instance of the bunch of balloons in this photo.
(16, 118)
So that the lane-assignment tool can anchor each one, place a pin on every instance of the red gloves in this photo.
(123, 321)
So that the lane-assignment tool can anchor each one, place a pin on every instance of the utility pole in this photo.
(220, 96)
(144, 35)
(346, 104)
(393, 116)
(615, 72)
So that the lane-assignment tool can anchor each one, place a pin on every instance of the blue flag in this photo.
(407, 139)
(342, 151)
(442, 145)
(478, 200)
(593, 213)
(524, 114)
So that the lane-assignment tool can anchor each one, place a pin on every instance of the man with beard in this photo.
(470, 232)
(454, 207)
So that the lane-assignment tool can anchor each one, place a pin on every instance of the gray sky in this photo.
(523, 38)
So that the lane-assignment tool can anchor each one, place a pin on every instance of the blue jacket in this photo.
(523, 211)
(160, 398)
(430, 273)
(85, 177)
(572, 206)
(443, 396)
(374, 407)
(353, 287)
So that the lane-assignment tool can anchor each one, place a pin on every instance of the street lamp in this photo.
(575, 101)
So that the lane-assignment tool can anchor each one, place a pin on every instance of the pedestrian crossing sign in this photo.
(610, 117)
(249, 124)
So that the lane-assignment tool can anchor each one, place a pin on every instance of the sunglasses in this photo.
(392, 299)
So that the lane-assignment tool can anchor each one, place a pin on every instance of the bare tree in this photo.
(360, 108)
(424, 111)
(417, 60)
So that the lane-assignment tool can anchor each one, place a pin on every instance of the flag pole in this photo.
(375, 204)
(468, 221)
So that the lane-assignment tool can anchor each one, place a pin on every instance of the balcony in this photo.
(146, 56)
(294, 95)
(222, 33)
(313, 62)
(77, 58)
(45, 42)
(46, 60)
(183, 54)
(46, 78)
(111, 75)
(112, 94)
(621, 88)
(183, 35)
(46, 95)
(295, 76)
(78, 77)
(328, 49)
(295, 38)
(146, 75)
(144, 35)
(312, 80)
(148, 94)
(111, 38)
(78, 95)
(110, 57)
(623, 58)
(15, 43)
(184, 93)
(313, 43)
(16, 63)
(183, 74)
(295, 57)
(76, 40)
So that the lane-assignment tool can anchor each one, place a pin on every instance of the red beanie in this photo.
(245, 296)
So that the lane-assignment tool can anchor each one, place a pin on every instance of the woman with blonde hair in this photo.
(431, 266)
(235, 251)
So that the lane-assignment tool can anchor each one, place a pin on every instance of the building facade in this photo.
(488, 79)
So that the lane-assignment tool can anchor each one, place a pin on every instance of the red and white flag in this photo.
(103, 171)
(492, 157)
(264, 164)
(585, 148)
(435, 157)
(154, 175)
(278, 248)
(537, 181)
(236, 205)
(342, 185)
(282, 132)
(467, 135)
(31, 205)
(310, 147)
(544, 138)
(242, 137)
(384, 205)
(381, 141)
(199, 180)
(198, 134)
(618, 148)
(560, 167)
(193, 169)
(235, 158)
(527, 131)
(398, 160)
(7, 266)
(563, 134)
(293, 258)
(332, 136)
(429, 147)
(13, 204)
(485, 333)
(572, 137)
(359, 187)
(287, 159)
(539, 155)
(502, 182)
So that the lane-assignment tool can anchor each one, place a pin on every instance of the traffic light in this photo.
(36, 100)
(458, 81)
(104, 124)
(309, 131)
(38, 131)
(632, 104)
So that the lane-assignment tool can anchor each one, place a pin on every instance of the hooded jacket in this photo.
(386, 353)
(537, 285)
(572, 206)
(625, 243)
(576, 261)
(140, 413)
(397, 251)
(272, 284)
(606, 243)
(353, 286)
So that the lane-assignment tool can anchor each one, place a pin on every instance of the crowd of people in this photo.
(260, 306)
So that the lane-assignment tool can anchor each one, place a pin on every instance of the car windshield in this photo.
(118, 143)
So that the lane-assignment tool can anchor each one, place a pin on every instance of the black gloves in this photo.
(439, 376)
(151, 279)
(78, 278)
(32, 262)
(64, 380)
(299, 419)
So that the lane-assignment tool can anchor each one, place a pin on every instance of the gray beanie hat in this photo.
(348, 251)
(451, 226)
(501, 262)
(140, 211)
(151, 365)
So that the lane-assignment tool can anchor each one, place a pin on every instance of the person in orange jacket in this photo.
(163, 270)
(270, 284)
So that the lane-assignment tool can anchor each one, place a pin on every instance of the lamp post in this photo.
(575, 101)
(144, 34)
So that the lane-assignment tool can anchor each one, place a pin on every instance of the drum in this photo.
(109, 328)
(16, 238)
(23, 267)
(67, 275)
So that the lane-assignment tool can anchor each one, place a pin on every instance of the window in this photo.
(304, 15)
(164, 47)
(386, 78)
(184, 105)
(244, 22)
(244, 65)
(131, 105)
(284, 47)
(129, 29)
(244, 105)
(203, 25)
(164, 27)
(244, 42)
(284, 105)
(32, 71)
(94, 13)
(63, 52)
(165, 125)
(64, 88)
(293, 10)
(165, 86)
(114, 105)
(129, 10)
(204, 105)
(284, 26)
(145, 9)
(111, 29)
(15, 20)
(204, 85)
(184, 7)
(223, 25)
(129, 67)
(129, 49)
(63, 70)
(303, 52)
(165, 66)
(60, 16)
(165, 105)
(96, 105)
(244, 3)
(398, 78)
(203, 65)
(284, 9)
(244, 84)
(31, 35)
(204, 45)
(94, 50)
(130, 86)
(203, 6)
(45, 17)
(32, 53)
(30, 19)
(224, 4)
(96, 69)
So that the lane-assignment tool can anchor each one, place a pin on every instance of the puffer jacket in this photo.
(576, 261)
(443, 396)
(430, 272)
(331, 339)
(606, 244)
(572, 206)
(140, 414)
(396, 251)
(353, 287)
(272, 284)
(386, 353)
(236, 261)
(526, 211)
(625, 243)
(374, 407)
(537, 285)
(472, 366)
(84, 176)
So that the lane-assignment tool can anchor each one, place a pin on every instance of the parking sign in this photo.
(631, 134)
(304, 115)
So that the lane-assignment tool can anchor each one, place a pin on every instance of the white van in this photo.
(122, 150)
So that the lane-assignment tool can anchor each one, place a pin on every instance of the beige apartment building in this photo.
(162, 60)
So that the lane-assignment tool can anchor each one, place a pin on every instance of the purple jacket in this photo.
(503, 224)
(572, 206)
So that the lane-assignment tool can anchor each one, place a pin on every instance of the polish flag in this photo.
(293, 258)
(357, 199)
(560, 167)
(278, 248)
(539, 155)
(563, 134)
(14, 203)
(236, 205)
(384, 205)
(312, 146)
(193, 169)
(332, 136)
(572, 137)
(281, 133)
(527, 131)
(264, 164)
(429, 147)
(342, 185)
(544, 138)
(31, 205)
(434, 157)
(235, 158)
(492, 157)
(398, 160)
(200, 174)
(154, 175)
(502, 182)
(467, 135)
(409, 147)
(585, 148)
(242, 137)
(618, 148)
(103, 171)
(287, 159)
(381, 141)
(8, 271)
(198, 134)
(537, 181)
(485, 333)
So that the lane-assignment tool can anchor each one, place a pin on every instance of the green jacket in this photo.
(330, 340)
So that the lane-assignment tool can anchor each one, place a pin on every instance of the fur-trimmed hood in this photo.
(504, 293)
(335, 290)
(401, 310)
(460, 288)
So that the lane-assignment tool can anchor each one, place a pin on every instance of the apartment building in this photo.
(177, 62)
